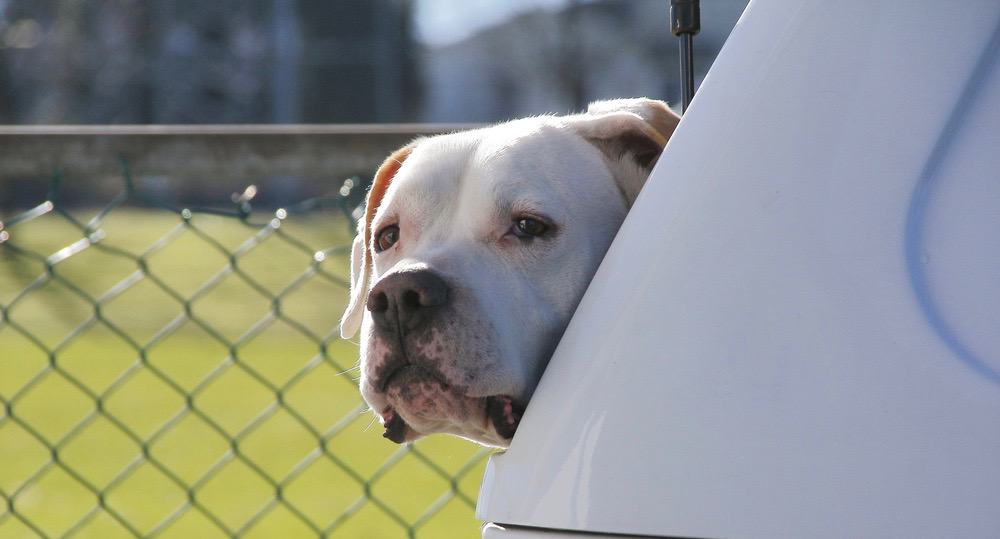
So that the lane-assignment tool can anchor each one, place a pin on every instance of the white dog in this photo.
(473, 253)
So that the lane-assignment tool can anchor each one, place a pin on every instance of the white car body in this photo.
(796, 332)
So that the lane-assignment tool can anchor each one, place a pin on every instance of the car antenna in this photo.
(685, 22)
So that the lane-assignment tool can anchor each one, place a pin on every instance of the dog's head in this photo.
(473, 252)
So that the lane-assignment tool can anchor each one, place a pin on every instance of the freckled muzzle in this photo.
(411, 324)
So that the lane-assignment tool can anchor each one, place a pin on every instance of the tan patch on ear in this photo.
(383, 179)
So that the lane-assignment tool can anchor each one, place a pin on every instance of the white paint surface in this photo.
(797, 331)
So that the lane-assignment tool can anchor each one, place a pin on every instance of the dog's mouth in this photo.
(421, 400)
(501, 413)
(403, 373)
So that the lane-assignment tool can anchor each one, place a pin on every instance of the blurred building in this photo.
(313, 61)
(558, 61)
(222, 61)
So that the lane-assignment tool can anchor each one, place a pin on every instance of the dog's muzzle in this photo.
(407, 309)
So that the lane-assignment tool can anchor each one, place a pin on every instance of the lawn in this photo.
(183, 378)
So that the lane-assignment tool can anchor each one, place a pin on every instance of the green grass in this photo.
(142, 389)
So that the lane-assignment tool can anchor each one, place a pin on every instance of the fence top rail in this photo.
(205, 152)
(414, 129)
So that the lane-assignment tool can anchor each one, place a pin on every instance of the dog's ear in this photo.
(361, 253)
(631, 133)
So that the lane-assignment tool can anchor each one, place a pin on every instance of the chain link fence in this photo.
(177, 372)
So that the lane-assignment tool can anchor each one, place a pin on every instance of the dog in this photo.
(474, 250)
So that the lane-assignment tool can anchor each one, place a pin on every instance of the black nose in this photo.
(406, 300)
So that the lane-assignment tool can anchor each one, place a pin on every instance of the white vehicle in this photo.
(797, 331)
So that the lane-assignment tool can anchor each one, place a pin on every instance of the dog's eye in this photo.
(529, 227)
(386, 238)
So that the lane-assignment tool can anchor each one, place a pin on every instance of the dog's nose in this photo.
(406, 300)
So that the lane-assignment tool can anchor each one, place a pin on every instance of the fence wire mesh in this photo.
(176, 372)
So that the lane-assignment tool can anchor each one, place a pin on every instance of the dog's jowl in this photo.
(473, 252)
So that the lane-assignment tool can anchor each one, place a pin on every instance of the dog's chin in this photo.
(420, 403)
